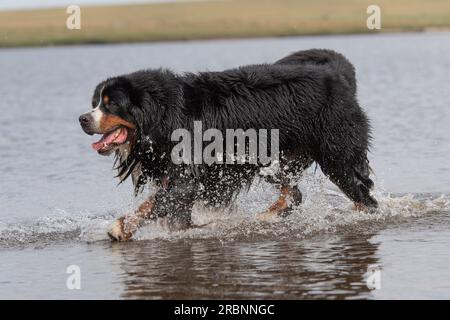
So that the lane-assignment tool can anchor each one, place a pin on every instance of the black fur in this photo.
(310, 96)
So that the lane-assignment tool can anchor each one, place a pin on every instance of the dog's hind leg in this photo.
(289, 197)
(354, 182)
(292, 167)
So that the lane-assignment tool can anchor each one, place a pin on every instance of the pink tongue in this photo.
(118, 136)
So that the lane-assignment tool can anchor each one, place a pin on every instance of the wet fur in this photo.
(310, 96)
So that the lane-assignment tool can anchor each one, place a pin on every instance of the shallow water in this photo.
(58, 197)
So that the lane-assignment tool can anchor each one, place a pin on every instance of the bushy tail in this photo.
(324, 58)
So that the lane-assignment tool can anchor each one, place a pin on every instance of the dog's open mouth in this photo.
(111, 140)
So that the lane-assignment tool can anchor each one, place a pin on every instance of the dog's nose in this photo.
(83, 119)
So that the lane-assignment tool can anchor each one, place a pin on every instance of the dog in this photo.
(309, 96)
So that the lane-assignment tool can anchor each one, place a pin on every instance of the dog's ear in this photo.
(138, 116)
(151, 112)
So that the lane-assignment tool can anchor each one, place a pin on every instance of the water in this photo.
(58, 197)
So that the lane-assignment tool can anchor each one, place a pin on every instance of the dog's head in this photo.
(128, 111)
(111, 116)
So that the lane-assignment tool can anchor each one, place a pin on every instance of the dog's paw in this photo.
(266, 216)
(272, 215)
(116, 231)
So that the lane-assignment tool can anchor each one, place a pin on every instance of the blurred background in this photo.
(31, 22)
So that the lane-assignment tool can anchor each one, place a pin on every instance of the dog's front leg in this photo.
(173, 203)
(124, 227)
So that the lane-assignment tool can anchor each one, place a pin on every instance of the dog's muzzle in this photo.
(90, 121)
(87, 123)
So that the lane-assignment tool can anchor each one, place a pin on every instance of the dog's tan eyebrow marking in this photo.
(105, 100)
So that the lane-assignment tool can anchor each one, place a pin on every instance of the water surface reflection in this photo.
(321, 267)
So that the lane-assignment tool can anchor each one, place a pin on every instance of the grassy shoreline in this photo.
(216, 20)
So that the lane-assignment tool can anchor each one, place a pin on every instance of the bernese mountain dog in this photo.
(309, 96)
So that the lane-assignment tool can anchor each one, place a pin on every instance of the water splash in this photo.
(57, 227)
(325, 210)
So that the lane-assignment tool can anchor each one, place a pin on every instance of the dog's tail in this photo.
(325, 58)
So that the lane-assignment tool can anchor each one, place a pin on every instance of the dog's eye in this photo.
(105, 107)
